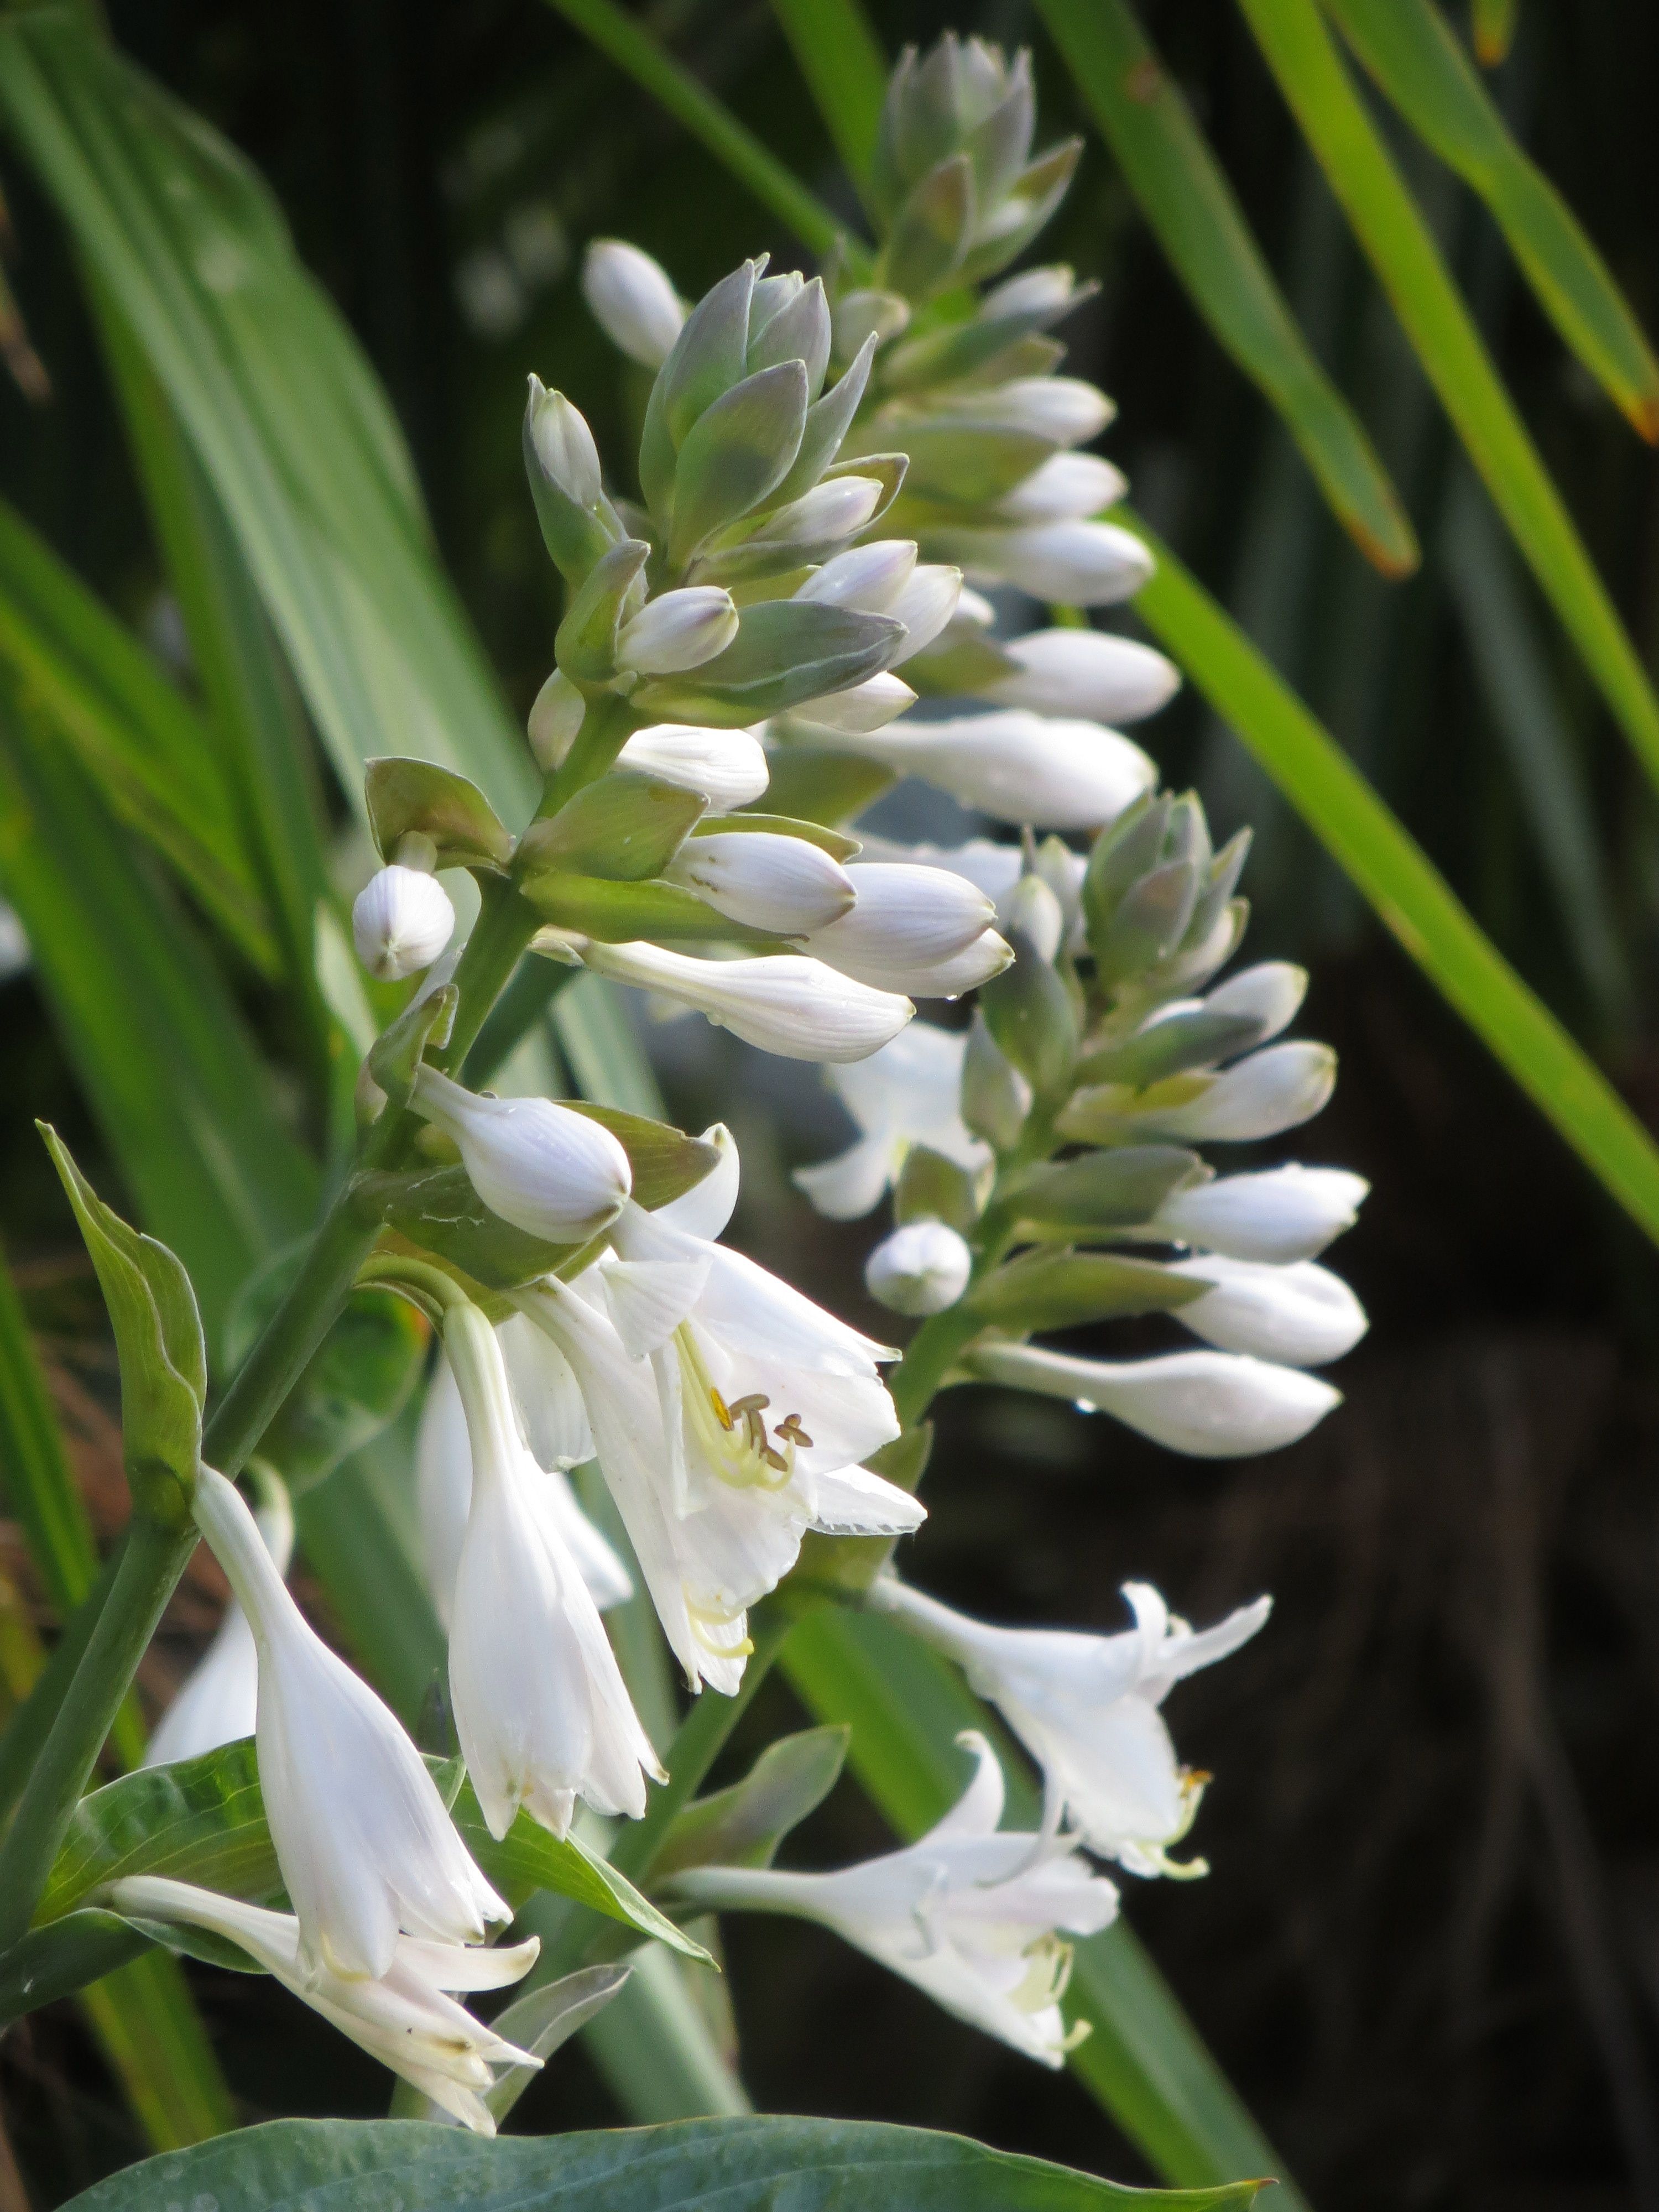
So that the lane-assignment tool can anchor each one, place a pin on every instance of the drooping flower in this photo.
(1277, 1215)
(218, 1702)
(800, 1009)
(1211, 1405)
(403, 2017)
(550, 1171)
(1300, 1314)
(1086, 1708)
(974, 1917)
(909, 1093)
(921, 930)
(366, 1850)
(401, 921)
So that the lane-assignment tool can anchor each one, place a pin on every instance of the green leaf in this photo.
(1120, 1189)
(656, 2049)
(41, 1492)
(158, 1338)
(541, 2024)
(1411, 897)
(745, 1824)
(415, 796)
(931, 1188)
(1193, 211)
(586, 644)
(1494, 25)
(786, 651)
(841, 57)
(1409, 49)
(1029, 1012)
(835, 843)
(147, 749)
(747, 2163)
(1064, 1290)
(738, 449)
(146, 2020)
(620, 914)
(624, 827)
(276, 398)
(1386, 220)
(1195, 1039)
(666, 1162)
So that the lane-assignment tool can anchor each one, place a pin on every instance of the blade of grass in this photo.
(1410, 896)
(604, 1053)
(1409, 49)
(149, 752)
(1144, 2060)
(1492, 26)
(280, 408)
(1309, 72)
(1186, 198)
(153, 2036)
(837, 52)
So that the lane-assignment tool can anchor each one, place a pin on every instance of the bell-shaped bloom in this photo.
(786, 885)
(1301, 1314)
(1210, 1405)
(1018, 766)
(401, 921)
(799, 1008)
(1086, 1708)
(729, 767)
(909, 1093)
(540, 1706)
(921, 1269)
(1065, 487)
(731, 1415)
(551, 1172)
(218, 1702)
(907, 925)
(366, 1848)
(677, 630)
(632, 301)
(1279, 1215)
(555, 1425)
(974, 1916)
(1072, 563)
(405, 2017)
(1086, 673)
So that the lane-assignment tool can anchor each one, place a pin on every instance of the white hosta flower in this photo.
(1048, 291)
(796, 1007)
(727, 766)
(730, 1418)
(405, 2017)
(926, 606)
(564, 444)
(366, 1847)
(551, 1172)
(973, 1915)
(401, 921)
(863, 707)
(907, 925)
(866, 578)
(834, 507)
(1210, 1405)
(1086, 1708)
(921, 1269)
(1278, 1215)
(1063, 408)
(554, 721)
(1301, 1314)
(539, 1702)
(1066, 486)
(908, 1093)
(1018, 766)
(786, 885)
(1086, 673)
(632, 301)
(1077, 564)
(1034, 912)
(1270, 993)
(1261, 1096)
(677, 630)
(218, 1703)
(556, 1427)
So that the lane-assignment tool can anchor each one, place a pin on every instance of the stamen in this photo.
(755, 1402)
(790, 1428)
(773, 1458)
(722, 1411)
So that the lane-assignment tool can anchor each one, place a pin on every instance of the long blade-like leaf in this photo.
(841, 57)
(1408, 47)
(154, 2036)
(1186, 198)
(278, 402)
(1299, 50)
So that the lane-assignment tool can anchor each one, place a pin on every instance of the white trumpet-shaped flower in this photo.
(1301, 1314)
(909, 1093)
(1210, 1405)
(728, 767)
(218, 1702)
(401, 921)
(922, 1268)
(973, 1915)
(554, 1172)
(677, 630)
(540, 1707)
(1279, 1215)
(1085, 673)
(1018, 766)
(787, 885)
(632, 299)
(405, 2017)
(908, 930)
(366, 1847)
(800, 1009)
(730, 1413)
(1086, 1708)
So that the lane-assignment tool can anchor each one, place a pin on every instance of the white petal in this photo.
(1301, 1314)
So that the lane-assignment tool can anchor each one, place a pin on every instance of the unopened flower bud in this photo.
(1020, 766)
(786, 885)
(836, 507)
(677, 630)
(1066, 486)
(860, 709)
(564, 444)
(1086, 673)
(926, 606)
(1063, 408)
(632, 301)
(555, 721)
(921, 1269)
(1302, 1314)
(401, 921)
(868, 578)
(553, 1173)
(728, 767)
(1280, 1215)
(865, 315)
(1270, 993)
(1036, 912)
(1033, 292)
(1210, 1405)
(800, 1009)
(1084, 564)
(906, 919)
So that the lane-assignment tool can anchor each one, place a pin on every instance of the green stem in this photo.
(30, 1725)
(606, 727)
(151, 1564)
(504, 926)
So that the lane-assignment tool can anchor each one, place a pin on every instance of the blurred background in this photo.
(1428, 1952)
